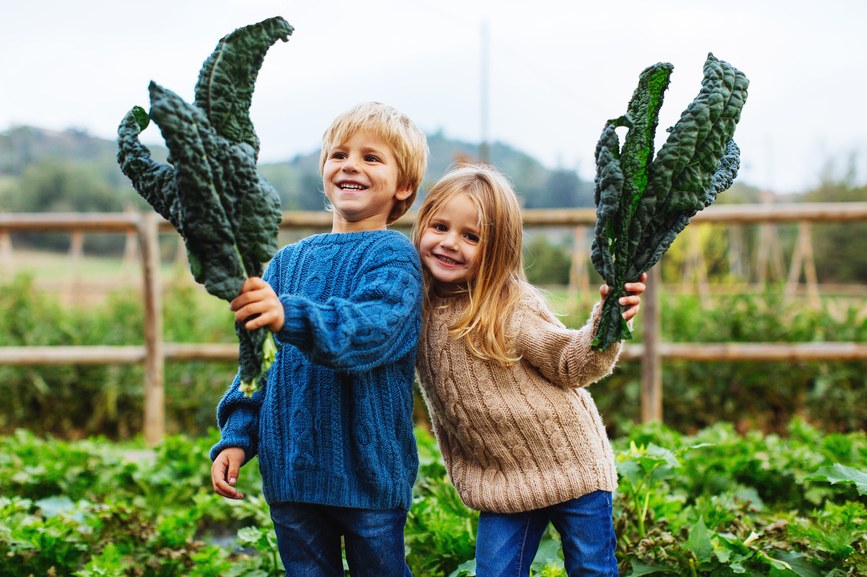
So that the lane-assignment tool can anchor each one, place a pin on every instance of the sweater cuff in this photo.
(294, 329)
(229, 441)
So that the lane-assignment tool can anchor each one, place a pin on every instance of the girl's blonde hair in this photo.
(407, 142)
(499, 279)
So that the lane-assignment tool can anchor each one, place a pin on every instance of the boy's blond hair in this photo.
(407, 142)
(499, 281)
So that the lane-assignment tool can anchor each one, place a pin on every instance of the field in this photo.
(759, 471)
(710, 504)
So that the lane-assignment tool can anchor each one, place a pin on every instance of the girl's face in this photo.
(449, 243)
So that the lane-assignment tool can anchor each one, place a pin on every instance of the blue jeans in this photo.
(308, 537)
(507, 543)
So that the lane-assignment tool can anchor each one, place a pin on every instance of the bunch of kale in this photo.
(210, 190)
(643, 202)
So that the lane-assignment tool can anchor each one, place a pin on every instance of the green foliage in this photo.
(63, 186)
(687, 505)
(718, 503)
(74, 401)
(440, 532)
(642, 202)
(59, 185)
(81, 400)
(92, 509)
(546, 263)
(841, 260)
(753, 395)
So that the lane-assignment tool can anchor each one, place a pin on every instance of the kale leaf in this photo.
(642, 202)
(210, 190)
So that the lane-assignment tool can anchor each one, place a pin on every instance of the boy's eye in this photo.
(338, 154)
(371, 158)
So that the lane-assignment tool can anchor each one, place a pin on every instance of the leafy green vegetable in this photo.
(643, 202)
(210, 190)
(838, 473)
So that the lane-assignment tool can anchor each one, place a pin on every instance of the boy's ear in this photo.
(403, 193)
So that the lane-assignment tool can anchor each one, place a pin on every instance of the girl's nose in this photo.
(448, 241)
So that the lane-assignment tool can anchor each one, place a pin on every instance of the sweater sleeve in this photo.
(378, 323)
(238, 420)
(237, 414)
(563, 356)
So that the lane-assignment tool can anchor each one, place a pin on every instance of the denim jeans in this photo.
(308, 537)
(507, 543)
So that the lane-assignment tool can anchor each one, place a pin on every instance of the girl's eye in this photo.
(439, 227)
(371, 158)
(473, 238)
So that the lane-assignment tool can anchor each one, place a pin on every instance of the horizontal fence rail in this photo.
(154, 352)
(704, 352)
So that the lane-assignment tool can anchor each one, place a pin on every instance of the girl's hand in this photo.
(632, 299)
(258, 300)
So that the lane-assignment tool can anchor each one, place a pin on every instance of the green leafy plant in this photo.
(687, 505)
(210, 190)
(643, 202)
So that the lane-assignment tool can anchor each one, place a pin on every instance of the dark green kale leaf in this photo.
(655, 198)
(210, 190)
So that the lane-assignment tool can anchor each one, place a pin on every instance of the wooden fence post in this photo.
(154, 396)
(579, 279)
(7, 265)
(651, 359)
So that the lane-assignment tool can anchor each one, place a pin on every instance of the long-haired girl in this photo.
(504, 382)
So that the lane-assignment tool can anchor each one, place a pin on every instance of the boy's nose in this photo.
(349, 165)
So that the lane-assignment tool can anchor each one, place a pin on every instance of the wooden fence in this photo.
(146, 228)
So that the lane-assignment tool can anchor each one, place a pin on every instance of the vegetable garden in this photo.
(737, 483)
(759, 469)
(713, 503)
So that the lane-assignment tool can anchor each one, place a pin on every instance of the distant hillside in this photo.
(27, 154)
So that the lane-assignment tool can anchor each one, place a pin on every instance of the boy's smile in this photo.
(360, 177)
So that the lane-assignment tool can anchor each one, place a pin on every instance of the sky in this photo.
(542, 76)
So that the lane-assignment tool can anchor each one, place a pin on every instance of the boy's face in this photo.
(360, 179)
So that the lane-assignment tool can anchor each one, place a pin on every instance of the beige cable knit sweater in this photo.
(522, 437)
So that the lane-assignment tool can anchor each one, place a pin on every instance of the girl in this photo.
(504, 382)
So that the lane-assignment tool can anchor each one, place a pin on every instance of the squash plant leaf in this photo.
(699, 541)
(210, 189)
(838, 473)
(643, 202)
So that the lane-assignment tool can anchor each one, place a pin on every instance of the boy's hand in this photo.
(258, 298)
(632, 299)
(224, 472)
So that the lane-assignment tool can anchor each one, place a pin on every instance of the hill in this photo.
(43, 170)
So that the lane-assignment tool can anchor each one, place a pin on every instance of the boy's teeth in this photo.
(352, 186)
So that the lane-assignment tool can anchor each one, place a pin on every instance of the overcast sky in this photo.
(557, 70)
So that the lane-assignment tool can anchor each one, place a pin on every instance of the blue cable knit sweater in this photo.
(333, 424)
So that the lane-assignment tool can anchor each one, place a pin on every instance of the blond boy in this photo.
(333, 425)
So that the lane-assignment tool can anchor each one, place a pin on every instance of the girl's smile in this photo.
(450, 241)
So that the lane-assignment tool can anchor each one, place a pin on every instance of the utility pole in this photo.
(484, 148)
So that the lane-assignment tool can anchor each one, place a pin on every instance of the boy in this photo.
(333, 426)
